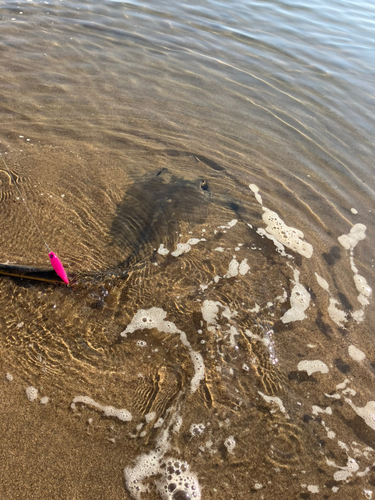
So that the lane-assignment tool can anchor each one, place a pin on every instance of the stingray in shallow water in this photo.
(219, 342)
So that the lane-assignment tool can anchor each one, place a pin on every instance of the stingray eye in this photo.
(204, 185)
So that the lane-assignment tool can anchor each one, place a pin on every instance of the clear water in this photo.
(135, 129)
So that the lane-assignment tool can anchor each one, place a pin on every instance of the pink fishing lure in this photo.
(58, 267)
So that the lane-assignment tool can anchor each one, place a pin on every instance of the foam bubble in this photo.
(356, 234)
(367, 412)
(210, 309)
(345, 472)
(273, 399)
(159, 423)
(322, 282)
(162, 251)
(155, 318)
(150, 318)
(312, 488)
(349, 241)
(31, 393)
(336, 314)
(355, 353)
(149, 417)
(177, 482)
(299, 301)
(173, 479)
(254, 188)
(317, 409)
(244, 267)
(312, 366)
(341, 386)
(230, 224)
(362, 287)
(230, 444)
(233, 268)
(289, 236)
(186, 247)
(109, 411)
(197, 429)
(9, 377)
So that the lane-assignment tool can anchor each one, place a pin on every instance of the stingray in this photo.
(149, 214)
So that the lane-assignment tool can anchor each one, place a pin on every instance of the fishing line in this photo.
(24, 201)
(55, 261)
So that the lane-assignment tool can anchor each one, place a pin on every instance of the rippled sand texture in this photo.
(205, 174)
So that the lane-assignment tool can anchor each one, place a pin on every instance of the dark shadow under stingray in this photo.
(152, 211)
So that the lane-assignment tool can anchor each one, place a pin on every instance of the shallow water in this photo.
(172, 155)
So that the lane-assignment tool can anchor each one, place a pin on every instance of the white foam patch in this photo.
(162, 250)
(155, 318)
(158, 423)
(31, 393)
(186, 247)
(210, 310)
(197, 429)
(9, 377)
(149, 417)
(275, 400)
(172, 477)
(288, 236)
(312, 488)
(244, 267)
(145, 466)
(312, 366)
(366, 412)
(299, 301)
(254, 188)
(337, 315)
(44, 400)
(109, 411)
(233, 268)
(333, 396)
(356, 234)
(317, 409)
(341, 386)
(363, 288)
(349, 242)
(321, 282)
(356, 353)
(230, 224)
(232, 333)
(255, 309)
(230, 444)
(345, 472)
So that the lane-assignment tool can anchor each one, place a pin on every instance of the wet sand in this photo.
(172, 158)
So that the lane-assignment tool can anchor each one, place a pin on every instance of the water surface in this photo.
(206, 170)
